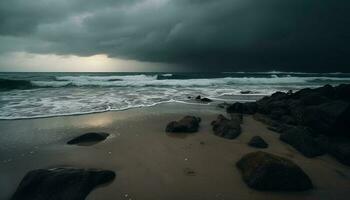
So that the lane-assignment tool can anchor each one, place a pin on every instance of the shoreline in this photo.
(151, 164)
(217, 101)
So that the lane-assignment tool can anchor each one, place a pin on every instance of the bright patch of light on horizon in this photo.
(23, 61)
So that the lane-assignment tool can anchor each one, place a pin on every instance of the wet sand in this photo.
(151, 164)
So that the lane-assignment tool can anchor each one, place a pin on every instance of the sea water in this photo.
(32, 95)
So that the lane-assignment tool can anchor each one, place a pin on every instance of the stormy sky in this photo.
(175, 35)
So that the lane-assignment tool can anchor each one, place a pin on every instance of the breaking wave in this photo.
(31, 95)
(154, 81)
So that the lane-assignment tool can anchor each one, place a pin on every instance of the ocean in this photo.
(33, 95)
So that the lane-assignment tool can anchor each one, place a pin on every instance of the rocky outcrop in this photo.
(258, 142)
(60, 183)
(226, 128)
(243, 108)
(331, 118)
(188, 124)
(301, 139)
(265, 171)
(88, 138)
(338, 147)
(205, 100)
(324, 111)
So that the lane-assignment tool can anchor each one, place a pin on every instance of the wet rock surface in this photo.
(265, 171)
(188, 124)
(226, 128)
(203, 99)
(61, 183)
(89, 138)
(323, 111)
(300, 138)
(258, 142)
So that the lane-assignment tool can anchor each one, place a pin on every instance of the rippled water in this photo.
(29, 95)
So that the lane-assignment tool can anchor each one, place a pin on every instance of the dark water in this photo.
(28, 95)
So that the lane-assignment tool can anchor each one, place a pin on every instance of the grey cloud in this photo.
(294, 35)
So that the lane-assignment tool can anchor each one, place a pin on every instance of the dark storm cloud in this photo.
(294, 35)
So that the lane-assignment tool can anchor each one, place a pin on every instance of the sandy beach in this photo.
(151, 164)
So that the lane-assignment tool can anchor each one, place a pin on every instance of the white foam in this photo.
(140, 77)
(125, 92)
(167, 75)
(143, 80)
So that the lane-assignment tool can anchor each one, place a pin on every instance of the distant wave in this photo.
(140, 77)
(167, 75)
(143, 80)
(154, 81)
(292, 73)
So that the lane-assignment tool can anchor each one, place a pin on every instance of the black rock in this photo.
(250, 108)
(246, 92)
(89, 137)
(343, 92)
(198, 97)
(223, 105)
(265, 171)
(60, 183)
(300, 138)
(223, 127)
(206, 100)
(188, 124)
(330, 118)
(235, 108)
(287, 119)
(258, 142)
(341, 151)
(237, 117)
(338, 147)
(313, 100)
(244, 108)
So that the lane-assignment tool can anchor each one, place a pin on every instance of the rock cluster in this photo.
(304, 116)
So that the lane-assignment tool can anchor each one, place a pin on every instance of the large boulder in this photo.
(301, 139)
(223, 127)
(89, 138)
(244, 108)
(265, 171)
(343, 92)
(235, 108)
(258, 142)
(60, 183)
(237, 117)
(330, 118)
(339, 147)
(341, 151)
(188, 124)
(276, 100)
